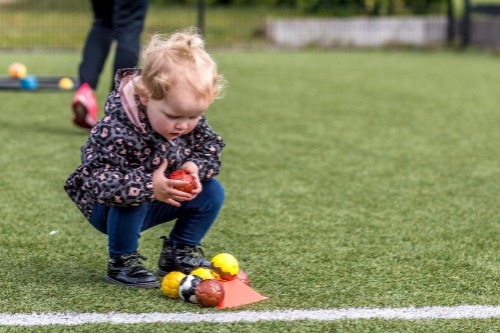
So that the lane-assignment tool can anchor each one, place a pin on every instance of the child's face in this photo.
(175, 115)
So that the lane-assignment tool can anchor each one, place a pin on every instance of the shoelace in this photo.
(194, 251)
(189, 252)
(134, 260)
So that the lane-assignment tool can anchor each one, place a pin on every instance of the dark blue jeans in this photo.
(114, 20)
(123, 225)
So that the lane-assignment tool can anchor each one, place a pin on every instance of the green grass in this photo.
(353, 179)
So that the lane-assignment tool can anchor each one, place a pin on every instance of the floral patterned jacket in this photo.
(123, 151)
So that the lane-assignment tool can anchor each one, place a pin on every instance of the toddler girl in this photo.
(154, 124)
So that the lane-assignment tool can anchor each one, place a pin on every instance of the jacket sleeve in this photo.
(115, 179)
(207, 149)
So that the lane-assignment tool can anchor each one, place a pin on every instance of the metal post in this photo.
(466, 24)
(450, 31)
(201, 16)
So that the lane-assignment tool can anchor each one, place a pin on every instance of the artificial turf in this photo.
(353, 179)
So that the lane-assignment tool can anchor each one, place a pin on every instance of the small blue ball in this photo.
(29, 82)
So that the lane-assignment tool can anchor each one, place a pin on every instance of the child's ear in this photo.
(144, 99)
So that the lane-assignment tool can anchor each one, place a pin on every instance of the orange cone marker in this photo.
(236, 293)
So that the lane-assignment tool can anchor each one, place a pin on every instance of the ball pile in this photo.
(202, 285)
(19, 72)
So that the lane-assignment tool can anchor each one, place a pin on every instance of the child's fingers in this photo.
(173, 202)
(178, 183)
(178, 195)
(163, 166)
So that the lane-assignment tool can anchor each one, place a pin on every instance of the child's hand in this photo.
(193, 170)
(163, 188)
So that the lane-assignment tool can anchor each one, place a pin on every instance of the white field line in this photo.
(411, 313)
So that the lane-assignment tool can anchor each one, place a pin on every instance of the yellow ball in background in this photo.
(65, 83)
(224, 266)
(170, 284)
(203, 272)
(17, 70)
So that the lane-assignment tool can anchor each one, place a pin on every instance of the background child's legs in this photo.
(128, 23)
(98, 43)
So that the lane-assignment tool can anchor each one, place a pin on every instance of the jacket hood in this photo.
(124, 104)
(124, 81)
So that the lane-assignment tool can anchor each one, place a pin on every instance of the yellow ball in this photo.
(66, 83)
(203, 272)
(224, 266)
(17, 70)
(171, 282)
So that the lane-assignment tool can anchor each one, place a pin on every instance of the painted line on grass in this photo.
(411, 313)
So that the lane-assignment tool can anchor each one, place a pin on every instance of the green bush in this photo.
(331, 7)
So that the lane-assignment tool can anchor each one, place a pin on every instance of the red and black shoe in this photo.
(85, 107)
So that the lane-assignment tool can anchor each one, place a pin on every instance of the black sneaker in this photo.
(180, 257)
(128, 270)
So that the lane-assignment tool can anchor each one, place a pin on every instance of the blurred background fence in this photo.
(63, 24)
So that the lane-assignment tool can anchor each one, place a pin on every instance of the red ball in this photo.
(185, 176)
(209, 293)
(243, 277)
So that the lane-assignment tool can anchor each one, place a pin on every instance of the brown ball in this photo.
(243, 277)
(209, 293)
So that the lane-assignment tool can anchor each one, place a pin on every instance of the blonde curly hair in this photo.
(179, 59)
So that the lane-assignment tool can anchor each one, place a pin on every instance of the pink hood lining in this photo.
(127, 96)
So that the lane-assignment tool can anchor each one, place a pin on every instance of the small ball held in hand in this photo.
(185, 176)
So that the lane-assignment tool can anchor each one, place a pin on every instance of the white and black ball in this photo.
(187, 288)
